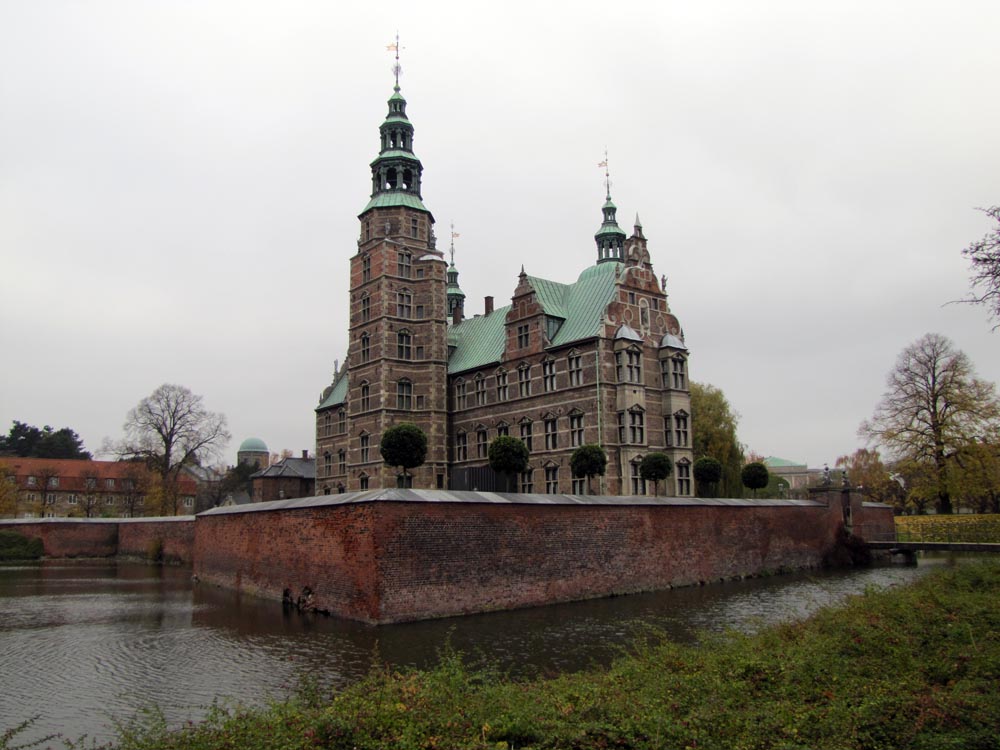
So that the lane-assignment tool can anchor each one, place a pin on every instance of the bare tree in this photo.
(934, 408)
(90, 497)
(135, 483)
(170, 429)
(984, 255)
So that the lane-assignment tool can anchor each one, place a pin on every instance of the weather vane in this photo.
(396, 67)
(454, 234)
(607, 174)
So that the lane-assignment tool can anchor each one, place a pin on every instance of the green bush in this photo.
(14, 546)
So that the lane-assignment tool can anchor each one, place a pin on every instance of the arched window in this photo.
(366, 403)
(366, 347)
(366, 308)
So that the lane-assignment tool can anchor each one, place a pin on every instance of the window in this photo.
(460, 394)
(502, 385)
(680, 429)
(366, 308)
(621, 427)
(549, 375)
(51, 498)
(579, 486)
(523, 337)
(404, 345)
(341, 462)
(327, 424)
(414, 228)
(368, 230)
(363, 481)
(366, 347)
(366, 269)
(32, 481)
(404, 395)
(365, 448)
(420, 309)
(631, 298)
(526, 433)
(109, 483)
(551, 437)
(524, 380)
(668, 431)
(461, 447)
(503, 429)
(327, 464)
(404, 305)
(72, 499)
(90, 483)
(420, 402)
(110, 500)
(480, 391)
(527, 485)
(551, 479)
(481, 446)
(679, 373)
(637, 427)
(342, 421)
(404, 481)
(575, 367)
(683, 478)
(189, 502)
(576, 430)
(341, 489)
(53, 481)
(366, 403)
(634, 366)
(638, 483)
(404, 264)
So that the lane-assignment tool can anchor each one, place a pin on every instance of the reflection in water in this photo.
(82, 642)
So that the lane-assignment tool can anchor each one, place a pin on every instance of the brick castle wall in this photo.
(131, 537)
(137, 536)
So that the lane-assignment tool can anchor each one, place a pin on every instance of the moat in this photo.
(83, 644)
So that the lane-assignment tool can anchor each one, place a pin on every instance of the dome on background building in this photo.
(253, 445)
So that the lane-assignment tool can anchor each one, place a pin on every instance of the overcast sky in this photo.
(180, 184)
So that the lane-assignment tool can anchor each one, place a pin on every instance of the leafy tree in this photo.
(171, 429)
(655, 467)
(713, 428)
(27, 441)
(707, 471)
(934, 409)
(508, 456)
(866, 471)
(755, 476)
(588, 461)
(984, 256)
(404, 445)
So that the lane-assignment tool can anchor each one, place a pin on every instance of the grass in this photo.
(951, 528)
(914, 667)
(14, 546)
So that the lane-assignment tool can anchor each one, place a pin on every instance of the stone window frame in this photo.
(366, 269)
(503, 429)
(482, 441)
(524, 380)
(551, 429)
(365, 347)
(404, 344)
(525, 426)
(638, 483)
(576, 426)
(578, 485)
(679, 372)
(548, 374)
(366, 395)
(366, 307)
(637, 426)
(461, 446)
(527, 480)
(461, 394)
(404, 304)
(342, 421)
(327, 424)
(574, 367)
(503, 392)
(364, 446)
(363, 481)
(479, 389)
(551, 478)
(404, 394)
(684, 477)
(681, 428)
(523, 336)
(327, 464)
(341, 461)
(404, 264)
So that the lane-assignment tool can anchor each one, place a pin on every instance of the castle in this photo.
(600, 360)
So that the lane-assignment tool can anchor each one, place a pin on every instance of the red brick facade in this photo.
(132, 537)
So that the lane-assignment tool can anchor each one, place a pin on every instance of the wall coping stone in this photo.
(151, 519)
(498, 498)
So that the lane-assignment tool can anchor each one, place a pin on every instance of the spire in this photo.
(396, 171)
(456, 297)
(610, 238)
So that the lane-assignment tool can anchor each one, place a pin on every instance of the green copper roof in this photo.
(395, 198)
(395, 154)
(254, 445)
(480, 341)
(338, 395)
(455, 290)
(777, 463)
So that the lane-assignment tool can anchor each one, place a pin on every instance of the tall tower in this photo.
(398, 347)
(610, 238)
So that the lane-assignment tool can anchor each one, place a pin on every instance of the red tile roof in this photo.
(72, 473)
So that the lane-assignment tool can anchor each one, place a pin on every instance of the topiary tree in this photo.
(707, 473)
(508, 456)
(404, 445)
(755, 476)
(654, 468)
(588, 461)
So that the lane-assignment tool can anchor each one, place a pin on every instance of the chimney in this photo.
(456, 315)
(305, 453)
(489, 305)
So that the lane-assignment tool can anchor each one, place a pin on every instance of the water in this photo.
(83, 644)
